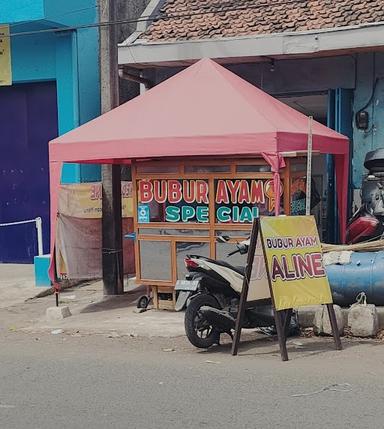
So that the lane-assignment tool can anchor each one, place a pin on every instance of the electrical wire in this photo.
(372, 95)
(160, 16)
(370, 100)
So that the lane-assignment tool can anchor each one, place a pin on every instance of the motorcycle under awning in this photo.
(203, 111)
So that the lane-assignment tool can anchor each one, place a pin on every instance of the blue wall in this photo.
(17, 11)
(370, 66)
(70, 58)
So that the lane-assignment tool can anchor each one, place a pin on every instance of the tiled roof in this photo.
(202, 19)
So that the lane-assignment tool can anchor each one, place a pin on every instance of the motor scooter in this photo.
(367, 223)
(211, 293)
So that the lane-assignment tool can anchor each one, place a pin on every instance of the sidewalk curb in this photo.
(306, 316)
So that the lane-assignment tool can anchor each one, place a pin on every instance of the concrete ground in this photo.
(94, 313)
(107, 366)
(93, 381)
(17, 284)
(91, 311)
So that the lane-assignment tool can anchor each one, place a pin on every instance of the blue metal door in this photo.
(28, 120)
(340, 119)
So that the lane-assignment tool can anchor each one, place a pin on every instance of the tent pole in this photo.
(309, 168)
(112, 245)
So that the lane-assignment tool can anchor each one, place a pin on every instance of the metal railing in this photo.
(39, 229)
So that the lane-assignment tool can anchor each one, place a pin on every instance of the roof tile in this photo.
(200, 19)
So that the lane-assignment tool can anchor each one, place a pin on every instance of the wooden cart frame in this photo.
(189, 169)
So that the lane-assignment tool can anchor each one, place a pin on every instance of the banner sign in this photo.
(5, 56)
(294, 261)
(84, 200)
(236, 200)
(285, 267)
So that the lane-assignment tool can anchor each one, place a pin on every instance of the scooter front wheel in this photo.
(199, 332)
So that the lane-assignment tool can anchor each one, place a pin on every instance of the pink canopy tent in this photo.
(204, 110)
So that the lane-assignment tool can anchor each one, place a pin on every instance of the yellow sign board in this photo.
(285, 257)
(5, 56)
(294, 261)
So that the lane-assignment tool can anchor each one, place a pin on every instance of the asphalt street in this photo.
(92, 381)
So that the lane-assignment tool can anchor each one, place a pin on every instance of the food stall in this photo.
(207, 151)
(182, 206)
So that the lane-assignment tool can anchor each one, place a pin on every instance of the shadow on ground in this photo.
(298, 347)
(129, 299)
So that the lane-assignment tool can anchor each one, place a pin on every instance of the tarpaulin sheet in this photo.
(84, 200)
(78, 248)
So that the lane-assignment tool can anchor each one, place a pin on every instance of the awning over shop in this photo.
(204, 110)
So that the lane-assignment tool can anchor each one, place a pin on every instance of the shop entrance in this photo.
(315, 105)
(333, 109)
(28, 121)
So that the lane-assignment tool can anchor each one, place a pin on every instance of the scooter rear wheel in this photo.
(199, 332)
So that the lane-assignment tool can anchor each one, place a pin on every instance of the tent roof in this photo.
(203, 110)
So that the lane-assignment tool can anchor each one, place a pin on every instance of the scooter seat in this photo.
(240, 270)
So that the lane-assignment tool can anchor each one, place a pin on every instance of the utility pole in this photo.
(112, 242)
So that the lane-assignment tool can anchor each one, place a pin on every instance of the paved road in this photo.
(68, 381)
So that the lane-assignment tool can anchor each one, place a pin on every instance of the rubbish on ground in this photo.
(297, 344)
(268, 331)
(343, 387)
(67, 297)
(140, 310)
(213, 361)
(307, 332)
(113, 335)
(168, 350)
(57, 331)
